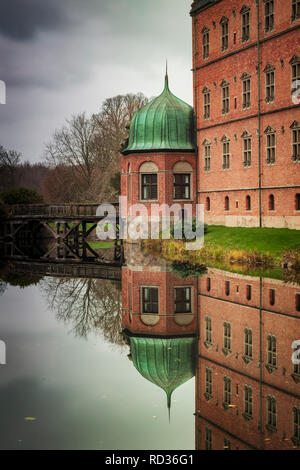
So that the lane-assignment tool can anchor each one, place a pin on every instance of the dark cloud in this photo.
(22, 19)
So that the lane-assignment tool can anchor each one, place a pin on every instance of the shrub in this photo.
(21, 196)
(185, 270)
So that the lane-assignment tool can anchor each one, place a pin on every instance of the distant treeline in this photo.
(81, 163)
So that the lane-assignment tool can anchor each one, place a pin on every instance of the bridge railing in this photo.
(53, 210)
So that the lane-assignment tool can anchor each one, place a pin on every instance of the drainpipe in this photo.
(195, 108)
(260, 366)
(259, 112)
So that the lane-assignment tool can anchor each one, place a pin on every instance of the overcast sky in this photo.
(60, 57)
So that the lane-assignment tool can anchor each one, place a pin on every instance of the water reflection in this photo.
(233, 332)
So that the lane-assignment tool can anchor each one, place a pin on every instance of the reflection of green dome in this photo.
(165, 123)
(166, 362)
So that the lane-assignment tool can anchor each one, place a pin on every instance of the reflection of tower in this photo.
(244, 323)
(159, 319)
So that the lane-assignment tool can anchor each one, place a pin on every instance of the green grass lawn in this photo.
(96, 245)
(264, 240)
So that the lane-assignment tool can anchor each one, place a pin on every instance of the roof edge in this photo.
(199, 5)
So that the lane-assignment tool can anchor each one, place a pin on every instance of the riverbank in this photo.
(236, 247)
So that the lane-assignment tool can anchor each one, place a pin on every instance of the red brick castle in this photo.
(238, 151)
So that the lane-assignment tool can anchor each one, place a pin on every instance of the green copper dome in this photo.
(166, 362)
(165, 123)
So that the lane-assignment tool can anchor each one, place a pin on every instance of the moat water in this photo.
(73, 380)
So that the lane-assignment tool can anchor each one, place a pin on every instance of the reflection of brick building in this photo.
(248, 127)
(245, 322)
(159, 318)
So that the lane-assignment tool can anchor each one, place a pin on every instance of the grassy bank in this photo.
(235, 248)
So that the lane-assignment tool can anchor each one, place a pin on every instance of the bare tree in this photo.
(9, 161)
(90, 148)
(89, 305)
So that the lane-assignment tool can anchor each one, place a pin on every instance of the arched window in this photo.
(297, 202)
(182, 180)
(148, 181)
(207, 205)
(226, 203)
(271, 202)
(248, 203)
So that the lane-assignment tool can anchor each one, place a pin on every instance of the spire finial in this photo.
(166, 76)
(169, 394)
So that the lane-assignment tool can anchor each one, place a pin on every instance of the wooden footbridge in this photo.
(70, 229)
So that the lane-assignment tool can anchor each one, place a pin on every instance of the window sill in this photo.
(247, 417)
(271, 368)
(270, 164)
(183, 200)
(296, 378)
(148, 200)
(271, 428)
(226, 352)
(247, 360)
(295, 441)
(270, 101)
(207, 396)
(208, 345)
(226, 406)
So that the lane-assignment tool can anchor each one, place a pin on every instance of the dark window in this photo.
(224, 33)
(208, 285)
(150, 299)
(249, 292)
(149, 186)
(298, 302)
(272, 296)
(183, 300)
(295, 10)
(182, 186)
(269, 15)
(248, 401)
(207, 157)
(206, 104)
(295, 73)
(227, 444)
(208, 439)
(208, 382)
(227, 287)
(208, 204)
(226, 155)
(248, 203)
(270, 86)
(271, 148)
(272, 351)
(246, 93)
(297, 202)
(271, 412)
(226, 203)
(296, 145)
(227, 391)
(205, 43)
(245, 24)
(247, 151)
(227, 336)
(248, 347)
(208, 330)
(271, 202)
(296, 423)
(225, 99)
